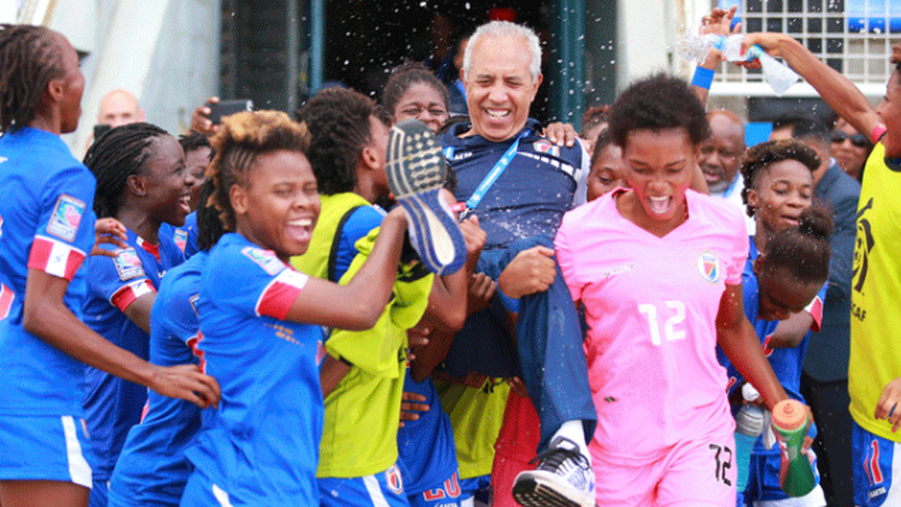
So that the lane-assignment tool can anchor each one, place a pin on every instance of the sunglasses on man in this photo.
(858, 140)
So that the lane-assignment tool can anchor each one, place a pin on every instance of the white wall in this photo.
(645, 38)
(165, 52)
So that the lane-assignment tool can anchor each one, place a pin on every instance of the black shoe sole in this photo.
(529, 493)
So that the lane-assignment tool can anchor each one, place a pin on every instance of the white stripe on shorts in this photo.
(79, 469)
(221, 496)
(375, 491)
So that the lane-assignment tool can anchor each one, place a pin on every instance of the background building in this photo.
(173, 54)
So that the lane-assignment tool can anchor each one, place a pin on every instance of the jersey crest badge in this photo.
(709, 266)
(128, 264)
(545, 146)
(394, 481)
(66, 218)
(265, 259)
(181, 239)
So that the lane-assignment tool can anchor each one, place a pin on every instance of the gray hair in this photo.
(500, 29)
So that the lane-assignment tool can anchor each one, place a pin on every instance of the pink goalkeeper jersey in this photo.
(651, 305)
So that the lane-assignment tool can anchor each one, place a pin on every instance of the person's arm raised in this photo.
(357, 305)
(835, 89)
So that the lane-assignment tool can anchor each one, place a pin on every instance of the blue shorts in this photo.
(200, 491)
(99, 494)
(381, 489)
(478, 487)
(448, 494)
(875, 462)
(45, 448)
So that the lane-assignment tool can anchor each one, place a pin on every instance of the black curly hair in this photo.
(406, 75)
(241, 138)
(760, 157)
(117, 154)
(657, 103)
(209, 227)
(29, 59)
(338, 121)
(195, 141)
(803, 250)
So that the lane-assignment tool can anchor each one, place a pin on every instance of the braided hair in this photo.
(241, 138)
(338, 121)
(29, 59)
(209, 228)
(116, 155)
(403, 77)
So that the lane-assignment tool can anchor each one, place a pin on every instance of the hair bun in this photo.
(816, 221)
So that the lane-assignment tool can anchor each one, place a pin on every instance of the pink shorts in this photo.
(514, 449)
(693, 473)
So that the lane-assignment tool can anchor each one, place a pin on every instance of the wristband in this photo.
(702, 78)
(511, 304)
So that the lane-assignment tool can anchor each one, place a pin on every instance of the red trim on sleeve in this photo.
(280, 294)
(193, 343)
(127, 294)
(6, 300)
(55, 257)
(815, 309)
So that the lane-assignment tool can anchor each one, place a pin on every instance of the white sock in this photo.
(574, 430)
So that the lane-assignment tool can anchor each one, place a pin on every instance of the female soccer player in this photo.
(152, 469)
(784, 278)
(658, 271)
(141, 182)
(46, 218)
(608, 169)
(261, 319)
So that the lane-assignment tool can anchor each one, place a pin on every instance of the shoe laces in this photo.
(554, 456)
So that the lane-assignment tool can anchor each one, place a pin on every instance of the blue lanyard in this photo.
(473, 202)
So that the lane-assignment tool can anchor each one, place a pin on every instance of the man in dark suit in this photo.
(824, 382)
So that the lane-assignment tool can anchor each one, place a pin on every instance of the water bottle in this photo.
(750, 422)
(790, 423)
(778, 75)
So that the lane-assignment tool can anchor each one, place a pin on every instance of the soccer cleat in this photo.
(416, 173)
(563, 478)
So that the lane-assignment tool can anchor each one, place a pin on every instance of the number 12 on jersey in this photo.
(675, 313)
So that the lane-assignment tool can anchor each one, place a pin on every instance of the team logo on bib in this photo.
(394, 481)
(544, 146)
(709, 266)
(128, 264)
(66, 217)
(266, 259)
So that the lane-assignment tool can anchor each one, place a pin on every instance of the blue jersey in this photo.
(786, 362)
(421, 470)
(152, 469)
(185, 237)
(113, 405)
(261, 445)
(533, 193)
(47, 224)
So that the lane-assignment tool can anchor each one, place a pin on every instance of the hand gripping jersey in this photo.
(651, 305)
(112, 405)
(152, 469)
(531, 196)
(875, 292)
(46, 224)
(261, 446)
